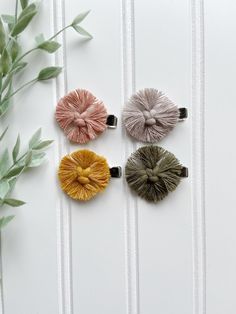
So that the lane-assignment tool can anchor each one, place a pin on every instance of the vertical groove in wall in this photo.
(131, 210)
(1, 279)
(63, 207)
(198, 156)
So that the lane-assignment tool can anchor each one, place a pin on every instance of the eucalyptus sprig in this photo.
(14, 164)
(12, 60)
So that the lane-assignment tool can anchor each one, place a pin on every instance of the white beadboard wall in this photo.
(117, 254)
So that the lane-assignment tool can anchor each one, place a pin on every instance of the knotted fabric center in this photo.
(81, 115)
(149, 174)
(79, 119)
(152, 174)
(149, 117)
(83, 175)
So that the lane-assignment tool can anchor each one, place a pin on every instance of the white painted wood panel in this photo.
(97, 227)
(220, 169)
(118, 254)
(98, 263)
(29, 243)
(163, 61)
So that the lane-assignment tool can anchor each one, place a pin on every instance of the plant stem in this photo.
(20, 88)
(27, 53)
(35, 48)
(24, 55)
(15, 163)
(60, 31)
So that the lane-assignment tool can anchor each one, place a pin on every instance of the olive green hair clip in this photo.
(152, 172)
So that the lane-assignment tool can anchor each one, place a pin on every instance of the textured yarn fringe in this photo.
(149, 115)
(83, 174)
(152, 172)
(81, 115)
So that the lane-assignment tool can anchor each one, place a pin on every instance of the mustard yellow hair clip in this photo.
(83, 174)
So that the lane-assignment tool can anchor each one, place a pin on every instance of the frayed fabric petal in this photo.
(152, 172)
(81, 116)
(149, 115)
(83, 174)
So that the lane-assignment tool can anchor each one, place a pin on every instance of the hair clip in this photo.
(82, 116)
(149, 115)
(83, 174)
(152, 172)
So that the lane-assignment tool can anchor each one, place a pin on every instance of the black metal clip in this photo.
(183, 113)
(116, 172)
(184, 172)
(111, 121)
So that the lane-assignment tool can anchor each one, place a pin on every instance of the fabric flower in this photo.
(83, 174)
(81, 115)
(149, 115)
(152, 172)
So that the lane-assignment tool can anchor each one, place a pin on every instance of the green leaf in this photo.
(3, 133)
(13, 202)
(7, 81)
(37, 160)
(16, 149)
(10, 27)
(14, 49)
(39, 39)
(19, 66)
(82, 31)
(6, 102)
(5, 62)
(49, 73)
(49, 46)
(22, 23)
(2, 37)
(4, 162)
(28, 9)
(14, 172)
(12, 183)
(9, 19)
(42, 145)
(79, 18)
(24, 3)
(4, 188)
(28, 158)
(5, 220)
(35, 138)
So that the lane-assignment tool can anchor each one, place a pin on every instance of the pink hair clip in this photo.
(82, 116)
